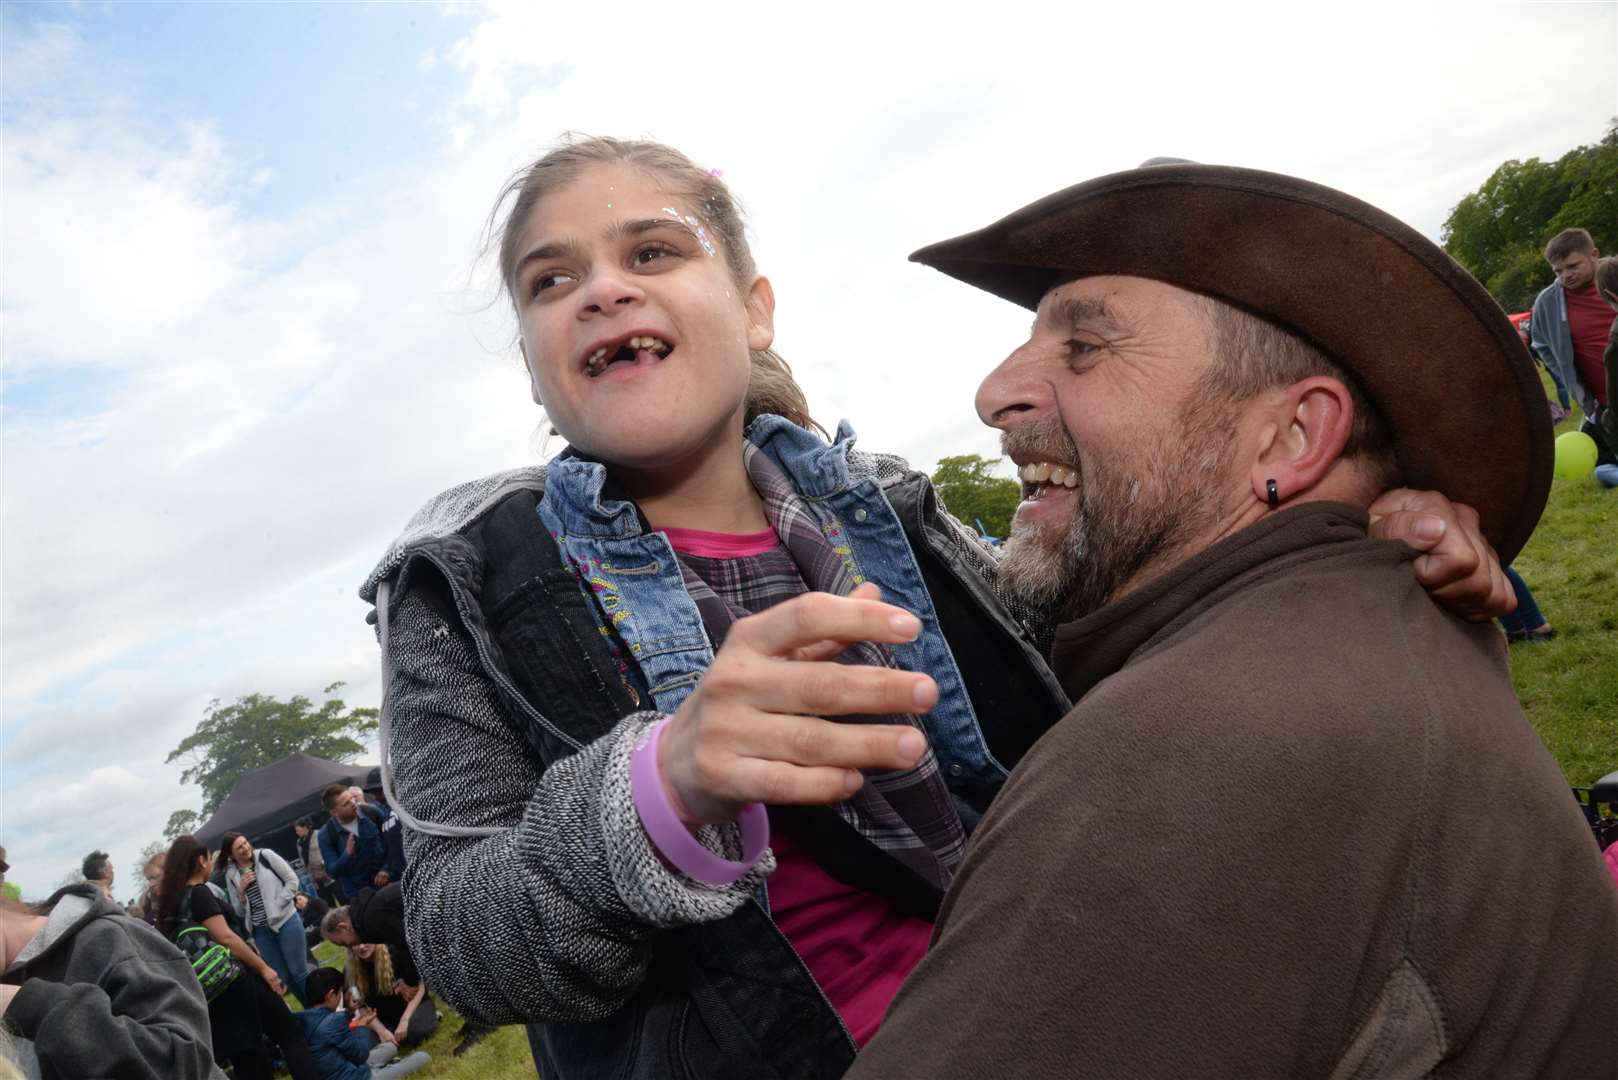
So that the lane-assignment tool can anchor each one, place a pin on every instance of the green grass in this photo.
(1568, 686)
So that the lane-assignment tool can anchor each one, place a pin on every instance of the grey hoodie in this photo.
(105, 995)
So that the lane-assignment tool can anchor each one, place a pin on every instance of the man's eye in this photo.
(1080, 350)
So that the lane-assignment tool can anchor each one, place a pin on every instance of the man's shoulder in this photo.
(1546, 294)
(1315, 659)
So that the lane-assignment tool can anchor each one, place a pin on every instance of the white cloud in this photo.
(254, 405)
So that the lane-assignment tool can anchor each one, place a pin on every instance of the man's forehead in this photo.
(1118, 299)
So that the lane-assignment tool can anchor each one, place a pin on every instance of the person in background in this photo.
(145, 906)
(393, 864)
(97, 870)
(1527, 624)
(343, 1052)
(1607, 285)
(1570, 330)
(250, 1009)
(405, 1014)
(351, 842)
(90, 992)
(1563, 404)
(264, 894)
(8, 889)
(325, 888)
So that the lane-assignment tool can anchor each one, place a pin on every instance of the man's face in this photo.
(343, 936)
(1576, 271)
(345, 809)
(1117, 472)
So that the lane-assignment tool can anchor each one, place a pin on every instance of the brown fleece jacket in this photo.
(1297, 825)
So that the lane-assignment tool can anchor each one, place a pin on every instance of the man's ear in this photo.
(760, 314)
(1310, 425)
(533, 374)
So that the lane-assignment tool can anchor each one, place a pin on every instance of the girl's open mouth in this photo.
(642, 348)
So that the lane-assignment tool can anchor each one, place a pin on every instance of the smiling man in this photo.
(1383, 873)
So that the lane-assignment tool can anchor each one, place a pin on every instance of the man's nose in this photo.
(1013, 388)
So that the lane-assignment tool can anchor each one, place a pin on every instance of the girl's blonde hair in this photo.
(374, 977)
(771, 387)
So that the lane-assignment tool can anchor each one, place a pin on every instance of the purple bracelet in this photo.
(669, 834)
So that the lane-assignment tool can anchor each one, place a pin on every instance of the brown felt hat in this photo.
(1427, 343)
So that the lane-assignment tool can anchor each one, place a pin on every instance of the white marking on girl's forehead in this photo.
(702, 234)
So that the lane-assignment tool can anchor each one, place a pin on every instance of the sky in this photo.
(247, 329)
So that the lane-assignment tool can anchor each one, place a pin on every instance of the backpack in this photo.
(212, 962)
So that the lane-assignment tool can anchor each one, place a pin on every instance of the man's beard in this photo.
(1132, 508)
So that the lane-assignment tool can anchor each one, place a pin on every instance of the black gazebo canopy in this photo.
(270, 799)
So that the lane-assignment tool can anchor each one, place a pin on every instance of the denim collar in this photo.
(578, 492)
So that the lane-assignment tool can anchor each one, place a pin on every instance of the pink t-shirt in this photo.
(855, 943)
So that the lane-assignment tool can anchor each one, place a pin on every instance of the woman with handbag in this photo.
(265, 895)
(243, 990)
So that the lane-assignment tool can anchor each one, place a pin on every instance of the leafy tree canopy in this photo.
(180, 823)
(969, 489)
(1499, 231)
(256, 730)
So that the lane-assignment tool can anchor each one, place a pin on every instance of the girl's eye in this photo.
(650, 253)
(549, 280)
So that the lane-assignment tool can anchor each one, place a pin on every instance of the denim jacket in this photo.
(532, 627)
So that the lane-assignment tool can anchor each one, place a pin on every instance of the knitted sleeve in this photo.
(551, 916)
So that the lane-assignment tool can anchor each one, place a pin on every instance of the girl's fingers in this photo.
(810, 742)
(815, 618)
(778, 783)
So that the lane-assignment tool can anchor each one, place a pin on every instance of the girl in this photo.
(405, 1014)
(250, 1008)
(596, 672)
(264, 893)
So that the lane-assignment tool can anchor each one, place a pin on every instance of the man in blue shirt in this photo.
(350, 842)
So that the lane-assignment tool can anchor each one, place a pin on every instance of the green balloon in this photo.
(1575, 455)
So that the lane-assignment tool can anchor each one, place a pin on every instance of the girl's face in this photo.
(635, 334)
(241, 851)
(364, 951)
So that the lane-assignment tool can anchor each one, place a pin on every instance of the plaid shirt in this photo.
(908, 813)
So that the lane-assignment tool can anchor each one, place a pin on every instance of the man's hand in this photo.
(381, 878)
(751, 730)
(1459, 569)
(353, 843)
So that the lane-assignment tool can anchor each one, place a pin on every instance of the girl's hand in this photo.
(1459, 567)
(268, 975)
(751, 731)
(248, 877)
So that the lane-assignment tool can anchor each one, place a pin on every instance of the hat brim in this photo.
(1428, 344)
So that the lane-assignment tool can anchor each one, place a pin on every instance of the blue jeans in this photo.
(1527, 616)
(287, 951)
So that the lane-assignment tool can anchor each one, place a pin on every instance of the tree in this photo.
(180, 823)
(256, 730)
(1499, 231)
(969, 489)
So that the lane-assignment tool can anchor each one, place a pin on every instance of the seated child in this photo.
(342, 1052)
